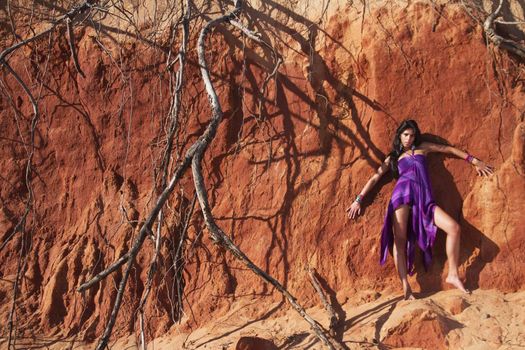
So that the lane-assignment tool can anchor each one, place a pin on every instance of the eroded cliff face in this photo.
(279, 180)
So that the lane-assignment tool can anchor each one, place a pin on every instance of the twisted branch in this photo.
(194, 157)
(216, 233)
(499, 41)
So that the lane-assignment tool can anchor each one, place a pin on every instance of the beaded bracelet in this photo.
(469, 158)
(359, 198)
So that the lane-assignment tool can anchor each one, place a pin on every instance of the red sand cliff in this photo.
(278, 185)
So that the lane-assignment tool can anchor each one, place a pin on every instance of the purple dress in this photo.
(413, 189)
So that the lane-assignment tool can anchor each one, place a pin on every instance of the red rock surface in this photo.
(279, 185)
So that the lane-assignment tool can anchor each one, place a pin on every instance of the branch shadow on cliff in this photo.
(292, 154)
(385, 310)
(333, 134)
(319, 73)
(381, 313)
(473, 241)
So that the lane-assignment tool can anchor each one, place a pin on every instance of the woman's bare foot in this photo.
(456, 282)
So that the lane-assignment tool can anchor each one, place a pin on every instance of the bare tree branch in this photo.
(71, 14)
(215, 231)
(193, 156)
(498, 40)
(176, 98)
(116, 307)
(158, 208)
(100, 276)
(148, 223)
(131, 255)
(317, 286)
(174, 122)
(178, 260)
(71, 37)
(505, 22)
(224, 241)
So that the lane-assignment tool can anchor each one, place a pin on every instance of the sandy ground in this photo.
(486, 319)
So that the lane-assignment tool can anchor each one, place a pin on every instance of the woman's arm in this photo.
(355, 208)
(481, 168)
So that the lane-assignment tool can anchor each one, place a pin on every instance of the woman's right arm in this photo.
(355, 208)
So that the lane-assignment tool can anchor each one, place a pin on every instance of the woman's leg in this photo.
(453, 231)
(400, 247)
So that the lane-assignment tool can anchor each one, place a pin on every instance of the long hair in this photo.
(397, 147)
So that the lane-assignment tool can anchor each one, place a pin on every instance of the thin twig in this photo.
(179, 262)
(19, 269)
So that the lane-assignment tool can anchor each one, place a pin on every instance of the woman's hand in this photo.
(354, 210)
(483, 169)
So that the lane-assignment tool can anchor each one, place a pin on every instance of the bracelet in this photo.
(358, 198)
(469, 158)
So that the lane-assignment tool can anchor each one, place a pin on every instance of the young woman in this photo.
(412, 216)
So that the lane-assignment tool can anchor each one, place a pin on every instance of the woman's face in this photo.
(407, 138)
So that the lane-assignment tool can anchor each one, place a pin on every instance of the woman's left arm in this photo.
(481, 168)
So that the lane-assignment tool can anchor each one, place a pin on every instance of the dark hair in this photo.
(397, 148)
